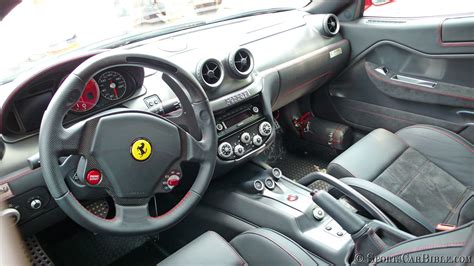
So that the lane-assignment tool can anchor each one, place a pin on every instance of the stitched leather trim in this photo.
(339, 169)
(242, 261)
(466, 144)
(276, 244)
(424, 248)
(470, 224)
(422, 225)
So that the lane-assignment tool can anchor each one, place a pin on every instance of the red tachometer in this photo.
(89, 98)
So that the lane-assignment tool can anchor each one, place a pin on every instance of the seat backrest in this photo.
(449, 247)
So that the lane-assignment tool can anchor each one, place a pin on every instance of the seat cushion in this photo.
(267, 247)
(208, 249)
(429, 167)
(255, 247)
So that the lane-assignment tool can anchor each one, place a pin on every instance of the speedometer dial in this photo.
(112, 85)
(89, 98)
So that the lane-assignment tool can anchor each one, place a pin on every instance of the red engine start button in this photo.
(93, 177)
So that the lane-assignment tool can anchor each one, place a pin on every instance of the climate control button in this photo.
(225, 150)
(257, 140)
(239, 150)
(245, 138)
(265, 129)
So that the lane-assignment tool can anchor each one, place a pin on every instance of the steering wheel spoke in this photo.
(70, 139)
(131, 215)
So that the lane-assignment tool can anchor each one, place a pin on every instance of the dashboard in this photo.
(248, 67)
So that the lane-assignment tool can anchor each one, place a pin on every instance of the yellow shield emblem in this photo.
(140, 149)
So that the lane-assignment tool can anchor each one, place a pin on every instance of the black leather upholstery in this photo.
(427, 167)
(369, 156)
(208, 249)
(432, 248)
(255, 247)
(267, 247)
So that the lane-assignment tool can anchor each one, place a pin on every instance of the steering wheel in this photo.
(131, 154)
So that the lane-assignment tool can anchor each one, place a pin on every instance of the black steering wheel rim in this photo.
(198, 144)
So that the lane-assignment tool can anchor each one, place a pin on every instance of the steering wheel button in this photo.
(93, 177)
(173, 181)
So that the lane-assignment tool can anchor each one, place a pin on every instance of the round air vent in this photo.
(241, 62)
(331, 25)
(210, 73)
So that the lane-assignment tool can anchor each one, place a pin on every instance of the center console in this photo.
(266, 198)
(242, 130)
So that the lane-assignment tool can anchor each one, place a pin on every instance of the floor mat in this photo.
(148, 254)
(72, 245)
(294, 165)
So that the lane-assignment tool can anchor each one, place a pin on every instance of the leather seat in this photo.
(268, 247)
(255, 247)
(421, 176)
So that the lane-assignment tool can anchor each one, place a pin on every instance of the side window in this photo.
(417, 8)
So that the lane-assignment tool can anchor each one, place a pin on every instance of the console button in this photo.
(255, 110)
(93, 177)
(257, 140)
(276, 173)
(35, 204)
(292, 197)
(318, 214)
(245, 138)
(258, 185)
(265, 129)
(225, 150)
(239, 150)
(219, 127)
(269, 183)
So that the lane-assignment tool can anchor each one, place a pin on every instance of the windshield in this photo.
(37, 30)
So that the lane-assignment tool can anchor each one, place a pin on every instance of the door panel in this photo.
(402, 73)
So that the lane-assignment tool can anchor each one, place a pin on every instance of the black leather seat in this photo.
(268, 247)
(421, 176)
(255, 247)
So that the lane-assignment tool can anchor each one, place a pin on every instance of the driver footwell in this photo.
(69, 244)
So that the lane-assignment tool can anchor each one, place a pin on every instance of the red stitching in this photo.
(231, 247)
(416, 249)
(175, 207)
(291, 255)
(460, 141)
(400, 84)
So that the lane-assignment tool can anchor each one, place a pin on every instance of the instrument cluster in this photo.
(108, 88)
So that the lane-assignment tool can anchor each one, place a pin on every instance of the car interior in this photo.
(295, 136)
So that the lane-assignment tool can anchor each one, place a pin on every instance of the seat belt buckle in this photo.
(444, 227)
